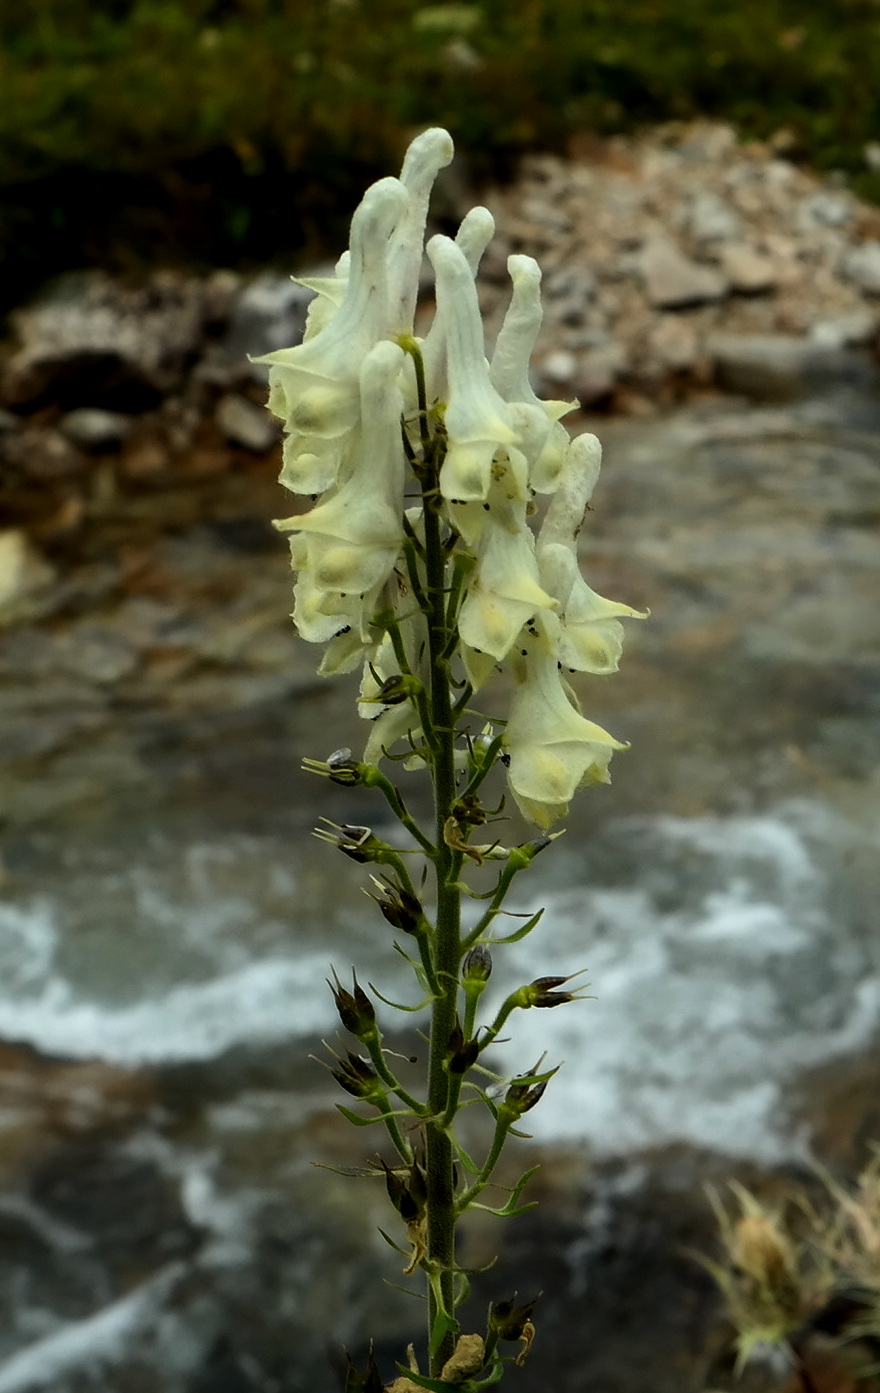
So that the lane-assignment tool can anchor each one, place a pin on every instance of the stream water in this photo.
(175, 920)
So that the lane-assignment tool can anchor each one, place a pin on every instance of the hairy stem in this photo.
(441, 1209)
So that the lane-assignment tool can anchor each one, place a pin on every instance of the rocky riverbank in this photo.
(164, 1228)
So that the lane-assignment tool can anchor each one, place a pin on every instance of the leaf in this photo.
(444, 1324)
(518, 933)
(404, 1252)
(357, 1121)
(423, 1381)
(397, 1005)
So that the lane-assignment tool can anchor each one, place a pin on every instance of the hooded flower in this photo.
(503, 589)
(314, 388)
(591, 638)
(427, 155)
(478, 421)
(543, 437)
(349, 544)
(552, 749)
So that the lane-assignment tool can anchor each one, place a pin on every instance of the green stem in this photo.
(502, 1127)
(440, 1175)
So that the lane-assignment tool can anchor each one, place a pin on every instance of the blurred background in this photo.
(232, 133)
(700, 184)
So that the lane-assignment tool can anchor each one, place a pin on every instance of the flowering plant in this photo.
(421, 561)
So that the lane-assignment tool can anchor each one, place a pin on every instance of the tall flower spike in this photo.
(544, 438)
(477, 420)
(591, 638)
(353, 537)
(553, 750)
(427, 155)
(314, 388)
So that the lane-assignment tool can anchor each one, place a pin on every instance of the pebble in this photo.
(748, 271)
(242, 422)
(673, 281)
(862, 266)
(94, 429)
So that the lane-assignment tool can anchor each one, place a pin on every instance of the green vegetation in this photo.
(236, 130)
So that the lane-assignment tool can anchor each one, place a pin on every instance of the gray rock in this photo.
(269, 313)
(244, 423)
(711, 219)
(94, 341)
(92, 428)
(558, 366)
(829, 209)
(842, 330)
(598, 373)
(780, 366)
(748, 270)
(42, 454)
(862, 267)
(568, 291)
(673, 281)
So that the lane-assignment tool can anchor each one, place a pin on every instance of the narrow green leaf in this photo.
(518, 933)
(404, 1252)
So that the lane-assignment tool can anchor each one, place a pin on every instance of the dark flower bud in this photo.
(370, 1381)
(358, 1078)
(408, 1204)
(460, 1053)
(509, 1320)
(477, 964)
(401, 909)
(355, 1008)
(522, 1096)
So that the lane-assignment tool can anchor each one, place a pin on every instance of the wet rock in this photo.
(25, 577)
(781, 366)
(862, 266)
(269, 313)
(93, 341)
(94, 429)
(41, 453)
(242, 422)
(673, 281)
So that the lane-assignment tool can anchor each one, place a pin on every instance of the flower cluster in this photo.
(359, 398)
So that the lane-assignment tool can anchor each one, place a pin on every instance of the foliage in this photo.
(230, 129)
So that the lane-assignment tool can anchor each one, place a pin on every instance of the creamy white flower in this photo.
(426, 156)
(473, 237)
(314, 387)
(553, 750)
(329, 295)
(503, 588)
(349, 543)
(477, 419)
(544, 439)
(591, 638)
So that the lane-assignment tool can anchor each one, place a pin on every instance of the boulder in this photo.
(673, 281)
(780, 366)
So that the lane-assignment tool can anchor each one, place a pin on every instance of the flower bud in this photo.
(508, 1320)
(355, 1008)
(358, 1078)
(357, 842)
(339, 767)
(477, 964)
(401, 909)
(370, 1381)
(522, 1096)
